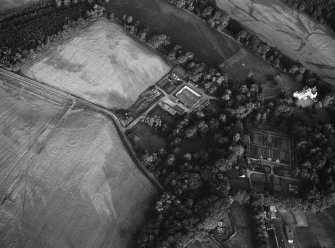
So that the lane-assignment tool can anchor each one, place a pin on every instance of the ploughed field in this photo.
(66, 180)
(293, 33)
(102, 64)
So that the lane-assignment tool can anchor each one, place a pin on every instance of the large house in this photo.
(188, 96)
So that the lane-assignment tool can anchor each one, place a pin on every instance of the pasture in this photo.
(312, 230)
(102, 64)
(244, 228)
(66, 179)
(147, 138)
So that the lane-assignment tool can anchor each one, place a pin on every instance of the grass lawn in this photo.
(102, 64)
(262, 71)
(236, 71)
(147, 138)
(165, 116)
(305, 238)
(239, 183)
(244, 226)
(257, 179)
(285, 183)
(312, 230)
(236, 182)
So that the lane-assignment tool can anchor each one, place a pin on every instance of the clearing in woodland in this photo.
(102, 64)
(66, 179)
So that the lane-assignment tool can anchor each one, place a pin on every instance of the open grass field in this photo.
(147, 138)
(262, 71)
(66, 179)
(234, 69)
(244, 226)
(191, 33)
(23, 117)
(293, 33)
(312, 230)
(102, 64)
(9, 4)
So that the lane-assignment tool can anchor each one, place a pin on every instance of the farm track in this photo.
(70, 98)
(36, 146)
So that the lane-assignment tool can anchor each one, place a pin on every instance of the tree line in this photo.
(222, 22)
(320, 10)
(36, 26)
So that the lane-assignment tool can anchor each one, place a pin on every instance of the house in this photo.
(273, 211)
(293, 189)
(188, 96)
(167, 108)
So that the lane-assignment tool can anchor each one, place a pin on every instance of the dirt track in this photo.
(295, 34)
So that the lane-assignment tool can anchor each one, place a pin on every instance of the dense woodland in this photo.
(25, 31)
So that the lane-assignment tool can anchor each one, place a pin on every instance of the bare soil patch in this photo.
(102, 64)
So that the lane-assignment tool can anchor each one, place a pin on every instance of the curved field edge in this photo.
(102, 64)
(293, 33)
(14, 4)
(80, 188)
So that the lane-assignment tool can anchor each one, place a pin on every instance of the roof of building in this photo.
(188, 96)
(179, 109)
(289, 232)
(167, 108)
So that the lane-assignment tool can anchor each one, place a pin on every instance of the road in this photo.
(28, 83)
